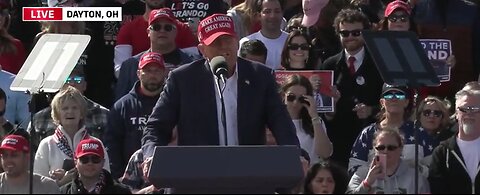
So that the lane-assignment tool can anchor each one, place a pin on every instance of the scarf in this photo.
(62, 142)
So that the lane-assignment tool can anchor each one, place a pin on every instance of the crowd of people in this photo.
(153, 80)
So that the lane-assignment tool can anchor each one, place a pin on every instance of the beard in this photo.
(152, 87)
(467, 128)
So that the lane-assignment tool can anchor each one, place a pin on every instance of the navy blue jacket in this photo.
(126, 121)
(188, 101)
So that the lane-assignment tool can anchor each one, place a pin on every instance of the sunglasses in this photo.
(294, 46)
(398, 18)
(435, 113)
(301, 99)
(346, 33)
(76, 79)
(388, 147)
(389, 96)
(158, 27)
(90, 158)
(469, 109)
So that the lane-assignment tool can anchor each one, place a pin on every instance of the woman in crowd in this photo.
(245, 17)
(311, 131)
(12, 51)
(297, 52)
(54, 156)
(433, 115)
(387, 172)
(395, 113)
(326, 178)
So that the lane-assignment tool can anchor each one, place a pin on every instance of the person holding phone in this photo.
(311, 131)
(387, 173)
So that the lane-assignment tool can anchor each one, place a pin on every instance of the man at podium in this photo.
(191, 101)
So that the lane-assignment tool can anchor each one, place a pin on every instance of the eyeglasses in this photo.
(388, 147)
(346, 33)
(158, 27)
(90, 158)
(75, 79)
(402, 18)
(294, 46)
(469, 109)
(389, 96)
(435, 113)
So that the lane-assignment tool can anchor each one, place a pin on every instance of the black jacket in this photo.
(448, 174)
(111, 186)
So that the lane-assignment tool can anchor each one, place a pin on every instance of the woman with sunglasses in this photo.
(395, 112)
(387, 172)
(311, 130)
(55, 153)
(12, 51)
(297, 53)
(434, 117)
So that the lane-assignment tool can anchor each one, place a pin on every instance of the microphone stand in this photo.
(219, 80)
(33, 133)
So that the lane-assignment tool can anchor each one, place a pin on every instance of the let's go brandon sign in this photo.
(72, 14)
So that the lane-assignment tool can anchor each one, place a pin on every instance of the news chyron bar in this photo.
(72, 14)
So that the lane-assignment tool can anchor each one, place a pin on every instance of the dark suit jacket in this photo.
(346, 126)
(188, 101)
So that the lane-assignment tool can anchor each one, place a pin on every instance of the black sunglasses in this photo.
(294, 46)
(346, 33)
(301, 99)
(158, 27)
(388, 147)
(90, 158)
(435, 113)
(398, 18)
(469, 109)
(399, 95)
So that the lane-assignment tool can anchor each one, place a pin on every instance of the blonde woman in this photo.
(55, 152)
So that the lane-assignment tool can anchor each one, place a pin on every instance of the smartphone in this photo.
(68, 164)
(382, 161)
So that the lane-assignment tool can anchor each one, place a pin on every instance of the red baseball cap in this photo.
(162, 13)
(151, 58)
(15, 143)
(214, 26)
(397, 4)
(89, 146)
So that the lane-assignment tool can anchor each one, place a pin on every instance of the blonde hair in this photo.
(68, 93)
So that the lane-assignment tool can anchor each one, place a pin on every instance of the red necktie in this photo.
(351, 65)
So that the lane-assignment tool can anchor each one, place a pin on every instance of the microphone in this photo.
(219, 67)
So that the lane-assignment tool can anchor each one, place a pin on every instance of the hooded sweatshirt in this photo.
(126, 121)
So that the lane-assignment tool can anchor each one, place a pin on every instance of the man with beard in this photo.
(454, 167)
(162, 31)
(15, 158)
(128, 116)
(271, 17)
(132, 38)
(358, 81)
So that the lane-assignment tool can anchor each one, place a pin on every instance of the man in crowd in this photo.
(254, 50)
(15, 159)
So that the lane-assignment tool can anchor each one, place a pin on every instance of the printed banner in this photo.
(322, 83)
(438, 50)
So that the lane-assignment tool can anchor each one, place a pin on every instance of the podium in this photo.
(225, 169)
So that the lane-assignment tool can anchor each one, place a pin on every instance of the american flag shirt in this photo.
(362, 151)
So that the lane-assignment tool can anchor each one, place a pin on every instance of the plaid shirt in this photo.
(95, 121)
